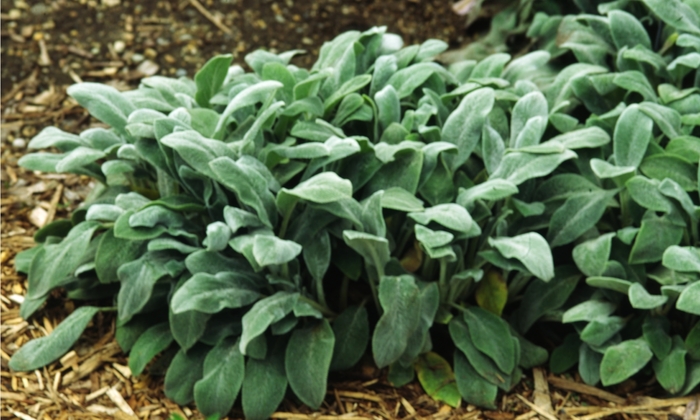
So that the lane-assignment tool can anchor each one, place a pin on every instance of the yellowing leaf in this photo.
(413, 258)
(492, 292)
(437, 379)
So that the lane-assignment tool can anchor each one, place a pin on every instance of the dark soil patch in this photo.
(96, 42)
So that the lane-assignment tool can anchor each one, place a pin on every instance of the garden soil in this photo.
(49, 45)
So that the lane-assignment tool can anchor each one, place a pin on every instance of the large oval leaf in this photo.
(307, 361)
(44, 350)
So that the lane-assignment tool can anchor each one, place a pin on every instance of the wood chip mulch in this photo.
(93, 380)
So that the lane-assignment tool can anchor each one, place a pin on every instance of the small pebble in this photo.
(181, 73)
(137, 58)
(39, 9)
(19, 143)
(148, 68)
(162, 42)
(119, 46)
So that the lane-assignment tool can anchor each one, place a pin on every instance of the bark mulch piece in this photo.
(48, 45)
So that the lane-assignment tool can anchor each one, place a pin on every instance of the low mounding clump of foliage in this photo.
(258, 230)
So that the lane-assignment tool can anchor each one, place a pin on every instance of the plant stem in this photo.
(319, 292)
(373, 282)
(442, 282)
(321, 308)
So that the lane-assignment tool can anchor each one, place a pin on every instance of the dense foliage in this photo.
(256, 230)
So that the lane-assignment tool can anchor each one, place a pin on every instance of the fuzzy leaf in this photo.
(39, 352)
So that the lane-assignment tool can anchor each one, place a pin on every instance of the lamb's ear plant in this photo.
(258, 230)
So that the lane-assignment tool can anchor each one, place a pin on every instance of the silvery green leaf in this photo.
(347, 108)
(627, 31)
(54, 262)
(646, 193)
(626, 235)
(351, 331)
(589, 137)
(589, 364)
(591, 256)
(325, 187)
(44, 162)
(104, 212)
(611, 283)
(270, 250)
(682, 258)
(603, 169)
(280, 72)
(251, 95)
(264, 383)
(664, 166)
(264, 313)
(384, 68)
(429, 49)
(624, 360)
(431, 238)
(472, 386)
(561, 89)
(307, 361)
(671, 370)
(463, 126)
(153, 216)
(317, 255)
(104, 103)
(407, 80)
(518, 167)
(667, 119)
(588, 311)
(655, 235)
(528, 209)
(388, 106)
(54, 137)
(399, 297)
(165, 244)
(374, 249)
(689, 300)
(529, 106)
(492, 148)
(309, 86)
(399, 199)
(635, 81)
(39, 352)
(493, 189)
(601, 329)
(689, 61)
(196, 150)
(154, 340)
(491, 335)
(531, 249)
(251, 188)
(451, 216)
(352, 85)
(482, 363)
(210, 78)
(218, 235)
(138, 278)
(492, 66)
(223, 374)
(633, 133)
(210, 294)
(184, 371)
(237, 218)
(641, 299)
(524, 67)
(578, 214)
(312, 106)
